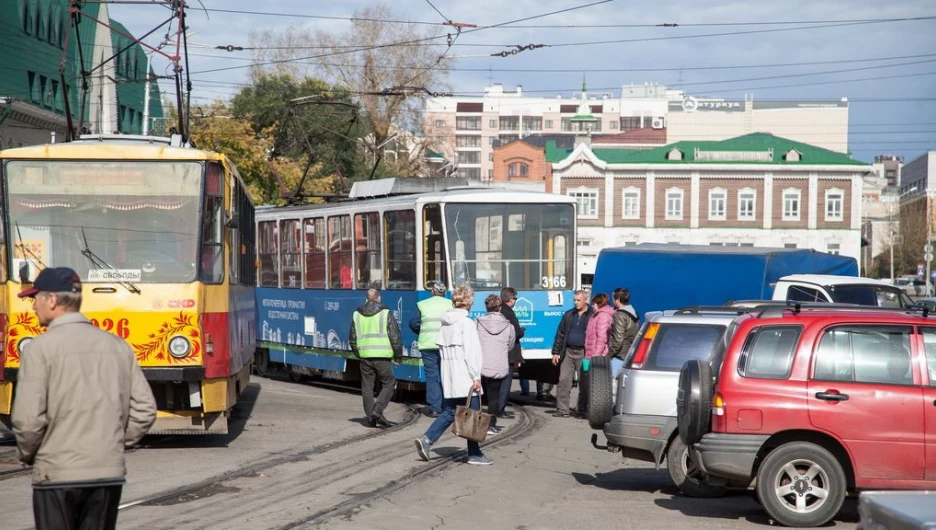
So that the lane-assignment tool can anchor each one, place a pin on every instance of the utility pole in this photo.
(146, 95)
(928, 248)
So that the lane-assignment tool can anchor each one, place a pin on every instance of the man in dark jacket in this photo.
(569, 349)
(508, 300)
(375, 340)
(623, 328)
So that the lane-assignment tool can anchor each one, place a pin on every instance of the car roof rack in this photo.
(712, 310)
(774, 311)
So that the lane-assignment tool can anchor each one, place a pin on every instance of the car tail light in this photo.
(644, 347)
(719, 420)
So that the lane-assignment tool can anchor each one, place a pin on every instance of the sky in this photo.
(886, 69)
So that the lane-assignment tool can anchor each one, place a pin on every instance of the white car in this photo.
(840, 290)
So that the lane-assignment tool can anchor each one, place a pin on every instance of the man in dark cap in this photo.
(78, 464)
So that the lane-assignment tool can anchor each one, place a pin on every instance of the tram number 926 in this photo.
(121, 327)
(553, 282)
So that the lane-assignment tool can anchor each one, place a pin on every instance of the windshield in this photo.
(524, 246)
(873, 295)
(138, 217)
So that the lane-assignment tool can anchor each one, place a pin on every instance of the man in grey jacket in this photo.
(71, 429)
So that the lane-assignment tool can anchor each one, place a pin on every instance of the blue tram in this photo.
(317, 261)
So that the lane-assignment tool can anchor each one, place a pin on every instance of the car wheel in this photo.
(686, 475)
(694, 401)
(600, 403)
(801, 484)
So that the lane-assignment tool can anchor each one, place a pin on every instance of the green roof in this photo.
(584, 117)
(762, 143)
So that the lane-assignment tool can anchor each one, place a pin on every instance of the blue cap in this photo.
(54, 280)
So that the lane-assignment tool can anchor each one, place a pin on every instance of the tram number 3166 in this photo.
(553, 282)
(121, 327)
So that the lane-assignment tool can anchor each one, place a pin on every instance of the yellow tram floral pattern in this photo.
(147, 333)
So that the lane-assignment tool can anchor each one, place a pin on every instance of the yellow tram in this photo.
(161, 235)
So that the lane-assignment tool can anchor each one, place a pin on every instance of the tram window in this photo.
(212, 257)
(434, 265)
(314, 230)
(291, 253)
(339, 252)
(367, 250)
(524, 246)
(400, 235)
(268, 243)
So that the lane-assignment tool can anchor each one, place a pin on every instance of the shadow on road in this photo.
(630, 479)
(237, 422)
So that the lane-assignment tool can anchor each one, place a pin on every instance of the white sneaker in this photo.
(493, 431)
(480, 460)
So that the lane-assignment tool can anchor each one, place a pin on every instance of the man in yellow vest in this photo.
(426, 322)
(375, 340)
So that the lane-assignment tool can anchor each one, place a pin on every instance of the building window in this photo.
(468, 157)
(468, 123)
(549, 124)
(507, 138)
(833, 201)
(518, 169)
(492, 139)
(631, 122)
(834, 248)
(631, 205)
(439, 124)
(492, 124)
(717, 200)
(746, 199)
(613, 125)
(440, 140)
(470, 173)
(791, 205)
(647, 121)
(674, 204)
(587, 199)
(532, 123)
(468, 141)
(509, 123)
(491, 156)
(490, 174)
(789, 245)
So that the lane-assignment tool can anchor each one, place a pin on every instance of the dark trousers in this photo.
(433, 380)
(93, 508)
(505, 391)
(372, 369)
(492, 391)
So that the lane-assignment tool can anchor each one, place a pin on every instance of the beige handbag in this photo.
(471, 424)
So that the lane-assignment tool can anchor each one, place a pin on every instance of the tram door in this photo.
(434, 263)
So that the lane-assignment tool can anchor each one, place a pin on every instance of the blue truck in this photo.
(661, 276)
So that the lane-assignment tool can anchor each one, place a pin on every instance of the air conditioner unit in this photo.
(658, 123)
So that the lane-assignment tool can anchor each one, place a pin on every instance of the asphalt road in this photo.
(547, 476)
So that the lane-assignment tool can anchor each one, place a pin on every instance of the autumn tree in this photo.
(389, 80)
(311, 122)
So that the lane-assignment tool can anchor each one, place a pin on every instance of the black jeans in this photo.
(92, 508)
(492, 391)
(372, 369)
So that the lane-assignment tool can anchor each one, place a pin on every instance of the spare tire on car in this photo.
(600, 403)
(694, 401)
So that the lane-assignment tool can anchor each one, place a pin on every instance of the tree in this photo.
(389, 82)
(267, 180)
(322, 130)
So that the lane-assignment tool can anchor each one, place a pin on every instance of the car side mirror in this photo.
(24, 273)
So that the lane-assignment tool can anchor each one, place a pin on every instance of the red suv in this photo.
(815, 404)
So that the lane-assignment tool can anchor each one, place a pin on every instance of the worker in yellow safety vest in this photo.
(375, 340)
(426, 322)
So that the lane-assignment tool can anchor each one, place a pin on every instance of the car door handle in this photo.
(832, 396)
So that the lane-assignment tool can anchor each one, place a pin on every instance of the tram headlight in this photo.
(179, 347)
(23, 344)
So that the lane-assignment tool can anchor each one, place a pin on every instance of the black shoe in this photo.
(540, 397)
(429, 413)
(372, 422)
(381, 421)
(506, 415)
(558, 414)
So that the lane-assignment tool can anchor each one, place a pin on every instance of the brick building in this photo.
(753, 190)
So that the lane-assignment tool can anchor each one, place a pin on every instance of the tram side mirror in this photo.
(232, 223)
(24, 273)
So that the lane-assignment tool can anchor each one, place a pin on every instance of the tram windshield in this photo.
(524, 246)
(138, 217)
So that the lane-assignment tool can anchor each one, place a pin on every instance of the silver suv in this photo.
(642, 424)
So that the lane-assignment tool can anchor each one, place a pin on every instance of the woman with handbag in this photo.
(461, 359)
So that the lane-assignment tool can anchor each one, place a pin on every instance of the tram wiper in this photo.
(99, 263)
(28, 254)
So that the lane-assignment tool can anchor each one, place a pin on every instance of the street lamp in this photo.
(895, 200)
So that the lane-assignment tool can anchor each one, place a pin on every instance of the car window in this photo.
(674, 344)
(865, 354)
(929, 345)
(798, 293)
(873, 295)
(768, 352)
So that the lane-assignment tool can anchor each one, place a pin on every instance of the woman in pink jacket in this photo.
(598, 331)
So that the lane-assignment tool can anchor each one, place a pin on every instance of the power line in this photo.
(445, 18)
